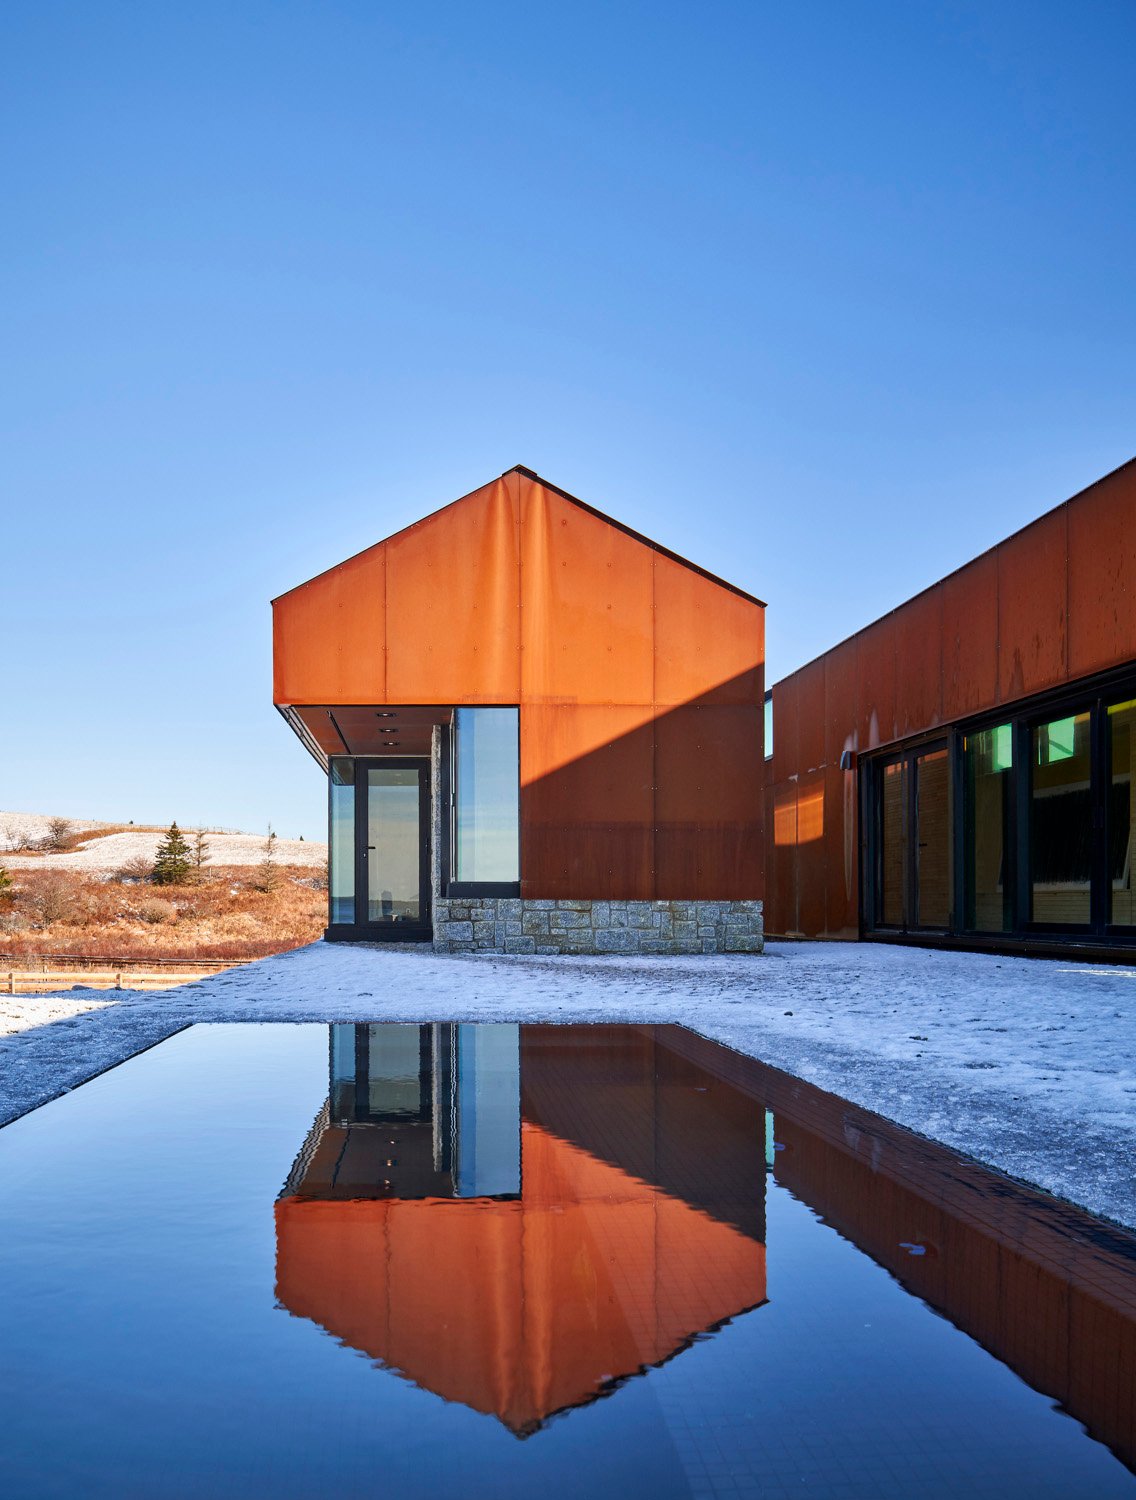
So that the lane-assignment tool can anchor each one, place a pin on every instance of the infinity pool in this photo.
(535, 1261)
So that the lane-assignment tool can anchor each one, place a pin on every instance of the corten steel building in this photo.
(542, 733)
(960, 772)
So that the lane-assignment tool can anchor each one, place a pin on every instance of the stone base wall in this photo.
(518, 925)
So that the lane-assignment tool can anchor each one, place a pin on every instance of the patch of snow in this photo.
(110, 852)
(1026, 1064)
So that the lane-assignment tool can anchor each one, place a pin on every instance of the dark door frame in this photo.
(363, 930)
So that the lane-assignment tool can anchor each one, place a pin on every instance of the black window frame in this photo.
(1091, 695)
(457, 890)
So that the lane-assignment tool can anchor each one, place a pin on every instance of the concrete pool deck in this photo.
(1029, 1065)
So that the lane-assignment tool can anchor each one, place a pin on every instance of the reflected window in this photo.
(487, 795)
(1121, 811)
(1061, 821)
(341, 854)
(769, 726)
(418, 1111)
(933, 838)
(892, 844)
(988, 761)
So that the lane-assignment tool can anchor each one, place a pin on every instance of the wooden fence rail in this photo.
(33, 981)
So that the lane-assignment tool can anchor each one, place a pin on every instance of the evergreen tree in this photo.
(268, 876)
(174, 859)
(200, 854)
(5, 884)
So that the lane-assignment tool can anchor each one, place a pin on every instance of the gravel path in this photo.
(1026, 1064)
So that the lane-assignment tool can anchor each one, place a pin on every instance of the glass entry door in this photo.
(393, 848)
(912, 823)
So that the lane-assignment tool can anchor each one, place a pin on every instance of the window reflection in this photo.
(1121, 812)
(486, 795)
(989, 760)
(891, 845)
(1061, 821)
(933, 838)
(341, 861)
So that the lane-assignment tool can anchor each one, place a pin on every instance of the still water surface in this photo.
(535, 1261)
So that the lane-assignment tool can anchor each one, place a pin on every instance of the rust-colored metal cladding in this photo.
(810, 716)
(1102, 574)
(587, 601)
(841, 726)
(812, 820)
(453, 598)
(1032, 608)
(919, 663)
(1048, 606)
(329, 635)
(708, 811)
(841, 854)
(587, 801)
(875, 669)
(709, 643)
(520, 594)
(970, 638)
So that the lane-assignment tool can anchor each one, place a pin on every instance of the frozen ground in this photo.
(1027, 1064)
(104, 853)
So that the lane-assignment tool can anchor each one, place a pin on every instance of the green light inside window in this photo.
(1002, 748)
(1058, 742)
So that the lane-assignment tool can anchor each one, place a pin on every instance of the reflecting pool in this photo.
(499, 1260)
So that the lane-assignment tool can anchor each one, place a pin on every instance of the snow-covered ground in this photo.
(1026, 1064)
(104, 853)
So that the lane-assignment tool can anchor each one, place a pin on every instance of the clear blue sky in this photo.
(826, 297)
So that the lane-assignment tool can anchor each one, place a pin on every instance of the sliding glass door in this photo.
(1024, 827)
(912, 843)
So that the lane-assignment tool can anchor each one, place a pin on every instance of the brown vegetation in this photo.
(222, 914)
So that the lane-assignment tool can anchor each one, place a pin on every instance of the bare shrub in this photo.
(137, 867)
(155, 910)
(13, 922)
(17, 840)
(59, 836)
(53, 899)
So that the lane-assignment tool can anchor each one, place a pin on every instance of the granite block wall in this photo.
(512, 924)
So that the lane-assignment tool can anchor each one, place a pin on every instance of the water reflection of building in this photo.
(1043, 1286)
(595, 1200)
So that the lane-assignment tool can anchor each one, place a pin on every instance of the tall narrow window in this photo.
(1061, 821)
(989, 761)
(486, 795)
(769, 726)
(932, 838)
(1121, 812)
(341, 863)
(892, 844)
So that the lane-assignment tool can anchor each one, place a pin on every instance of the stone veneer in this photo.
(516, 924)
(522, 925)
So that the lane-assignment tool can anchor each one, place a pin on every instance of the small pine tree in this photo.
(200, 854)
(267, 874)
(174, 859)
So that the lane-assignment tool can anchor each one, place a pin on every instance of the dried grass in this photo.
(222, 915)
